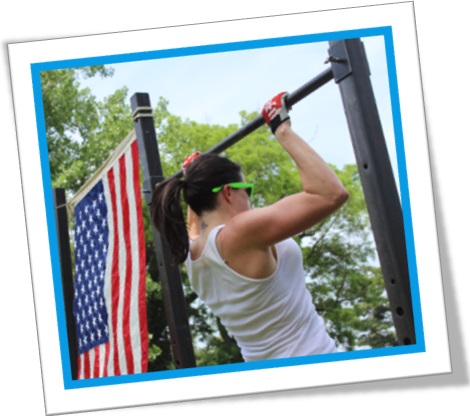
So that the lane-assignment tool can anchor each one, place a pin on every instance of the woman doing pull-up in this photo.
(243, 263)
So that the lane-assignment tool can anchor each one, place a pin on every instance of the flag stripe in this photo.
(109, 366)
(80, 367)
(115, 271)
(142, 307)
(86, 367)
(120, 347)
(102, 352)
(135, 273)
(96, 366)
(106, 359)
(128, 267)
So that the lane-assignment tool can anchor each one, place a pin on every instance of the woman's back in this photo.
(270, 318)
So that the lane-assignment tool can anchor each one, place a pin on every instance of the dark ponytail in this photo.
(202, 175)
(168, 218)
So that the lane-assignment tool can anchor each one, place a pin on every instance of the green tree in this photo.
(81, 132)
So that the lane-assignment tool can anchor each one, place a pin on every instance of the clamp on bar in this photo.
(335, 59)
(146, 112)
(339, 59)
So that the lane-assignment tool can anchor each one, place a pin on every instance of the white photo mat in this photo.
(430, 355)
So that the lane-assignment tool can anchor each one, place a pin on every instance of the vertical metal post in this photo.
(66, 273)
(173, 295)
(351, 73)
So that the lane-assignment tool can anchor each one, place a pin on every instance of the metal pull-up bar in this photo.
(291, 99)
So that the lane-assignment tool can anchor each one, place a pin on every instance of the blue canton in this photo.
(91, 245)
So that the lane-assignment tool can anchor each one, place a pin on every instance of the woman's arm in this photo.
(322, 195)
(316, 176)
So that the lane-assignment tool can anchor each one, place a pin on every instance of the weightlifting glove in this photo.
(275, 111)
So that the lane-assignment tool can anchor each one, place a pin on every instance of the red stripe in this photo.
(86, 364)
(106, 359)
(128, 273)
(142, 259)
(79, 366)
(96, 367)
(114, 274)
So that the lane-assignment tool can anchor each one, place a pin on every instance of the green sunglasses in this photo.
(237, 185)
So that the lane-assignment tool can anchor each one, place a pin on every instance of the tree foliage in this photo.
(339, 254)
(81, 132)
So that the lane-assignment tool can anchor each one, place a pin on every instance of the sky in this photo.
(213, 88)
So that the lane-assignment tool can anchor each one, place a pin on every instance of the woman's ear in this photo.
(227, 193)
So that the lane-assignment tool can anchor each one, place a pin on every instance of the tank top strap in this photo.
(211, 244)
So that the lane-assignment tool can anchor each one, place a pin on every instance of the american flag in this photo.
(109, 285)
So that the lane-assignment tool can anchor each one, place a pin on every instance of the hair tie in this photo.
(189, 159)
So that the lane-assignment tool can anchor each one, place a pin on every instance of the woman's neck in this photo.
(208, 221)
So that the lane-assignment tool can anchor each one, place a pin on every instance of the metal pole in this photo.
(291, 99)
(173, 295)
(67, 274)
(351, 73)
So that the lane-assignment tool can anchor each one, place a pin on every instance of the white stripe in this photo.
(134, 305)
(102, 350)
(122, 273)
(91, 354)
(107, 276)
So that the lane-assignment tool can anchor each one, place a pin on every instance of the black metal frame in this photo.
(173, 295)
(60, 204)
(349, 69)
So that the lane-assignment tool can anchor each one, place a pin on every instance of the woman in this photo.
(242, 262)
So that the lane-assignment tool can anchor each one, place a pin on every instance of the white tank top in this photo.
(273, 317)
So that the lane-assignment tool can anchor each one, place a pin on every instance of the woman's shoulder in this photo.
(198, 246)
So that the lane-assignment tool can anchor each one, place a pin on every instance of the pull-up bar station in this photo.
(349, 68)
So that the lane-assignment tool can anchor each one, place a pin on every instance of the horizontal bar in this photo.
(291, 99)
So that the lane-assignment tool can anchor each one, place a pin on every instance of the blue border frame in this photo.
(36, 68)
